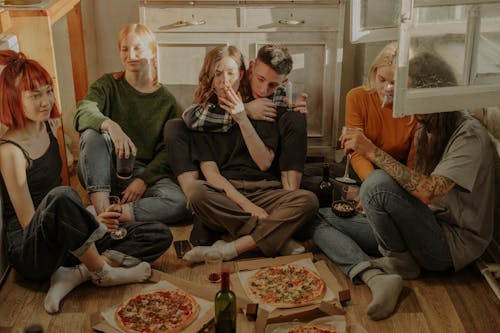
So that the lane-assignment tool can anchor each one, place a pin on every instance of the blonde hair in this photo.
(386, 57)
(147, 36)
(204, 91)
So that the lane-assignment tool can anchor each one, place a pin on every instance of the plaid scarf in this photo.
(215, 119)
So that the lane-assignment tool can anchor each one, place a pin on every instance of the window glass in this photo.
(487, 68)
(380, 14)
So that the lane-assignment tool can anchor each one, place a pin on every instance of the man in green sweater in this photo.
(124, 114)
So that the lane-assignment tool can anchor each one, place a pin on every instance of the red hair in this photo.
(20, 74)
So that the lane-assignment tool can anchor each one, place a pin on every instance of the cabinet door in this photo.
(180, 60)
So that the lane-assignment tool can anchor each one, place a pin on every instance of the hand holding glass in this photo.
(125, 166)
(345, 178)
(115, 205)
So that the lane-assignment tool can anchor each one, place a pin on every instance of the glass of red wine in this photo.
(115, 205)
(213, 261)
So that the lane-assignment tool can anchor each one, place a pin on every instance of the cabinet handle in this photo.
(291, 22)
(189, 23)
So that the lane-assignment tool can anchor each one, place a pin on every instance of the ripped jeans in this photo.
(163, 201)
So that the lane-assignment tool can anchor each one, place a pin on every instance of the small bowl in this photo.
(343, 208)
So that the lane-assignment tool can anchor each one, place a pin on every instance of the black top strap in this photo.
(3, 141)
(26, 155)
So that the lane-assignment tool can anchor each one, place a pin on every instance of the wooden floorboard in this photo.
(448, 302)
(436, 303)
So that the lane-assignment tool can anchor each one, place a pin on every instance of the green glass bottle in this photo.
(225, 306)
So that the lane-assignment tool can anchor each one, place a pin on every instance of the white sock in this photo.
(113, 276)
(219, 243)
(62, 281)
(291, 246)
(197, 254)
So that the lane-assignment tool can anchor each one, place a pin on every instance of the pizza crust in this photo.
(312, 328)
(141, 305)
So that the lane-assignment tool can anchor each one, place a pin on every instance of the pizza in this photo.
(286, 286)
(312, 328)
(157, 311)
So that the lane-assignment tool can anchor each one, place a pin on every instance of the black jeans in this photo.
(62, 229)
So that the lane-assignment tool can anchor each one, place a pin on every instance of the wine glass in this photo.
(121, 232)
(345, 178)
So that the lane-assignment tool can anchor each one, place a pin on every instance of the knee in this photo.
(310, 202)
(376, 180)
(175, 130)
(92, 141)
(195, 193)
(165, 237)
(63, 193)
(91, 137)
(293, 123)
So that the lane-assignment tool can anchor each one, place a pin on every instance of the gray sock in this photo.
(385, 290)
(399, 263)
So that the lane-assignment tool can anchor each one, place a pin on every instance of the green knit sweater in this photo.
(140, 115)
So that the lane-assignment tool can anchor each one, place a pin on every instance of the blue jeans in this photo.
(346, 241)
(164, 201)
(62, 230)
(403, 223)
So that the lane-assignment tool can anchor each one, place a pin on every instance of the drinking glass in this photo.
(213, 261)
(345, 178)
(125, 166)
(115, 205)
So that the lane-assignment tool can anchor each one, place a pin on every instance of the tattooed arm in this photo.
(427, 189)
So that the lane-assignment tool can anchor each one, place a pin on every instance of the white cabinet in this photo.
(312, 30)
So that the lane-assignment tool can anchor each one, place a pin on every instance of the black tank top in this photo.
(43, 174)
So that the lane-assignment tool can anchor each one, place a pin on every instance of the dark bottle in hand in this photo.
(325, 188)
(225, 306)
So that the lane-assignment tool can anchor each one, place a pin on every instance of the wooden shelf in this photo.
(33, 28)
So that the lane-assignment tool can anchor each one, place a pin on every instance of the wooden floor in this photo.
(460, 302)
(452, 302)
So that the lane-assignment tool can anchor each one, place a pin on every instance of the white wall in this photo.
(101, 31)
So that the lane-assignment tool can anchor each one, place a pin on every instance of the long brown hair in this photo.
(204, 92)
(20, 74)
(427, 70)
(147, 36)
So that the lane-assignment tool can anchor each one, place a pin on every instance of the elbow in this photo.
(265, 163)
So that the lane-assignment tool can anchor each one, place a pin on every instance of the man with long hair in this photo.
(437, 216)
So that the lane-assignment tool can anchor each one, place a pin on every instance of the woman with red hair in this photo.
(49, 233)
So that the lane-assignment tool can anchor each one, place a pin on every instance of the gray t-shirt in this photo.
(466, 212)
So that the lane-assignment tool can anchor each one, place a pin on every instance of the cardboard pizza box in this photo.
(99, 323)
(306, 313)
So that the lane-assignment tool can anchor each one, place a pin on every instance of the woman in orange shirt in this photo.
(369, 107)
